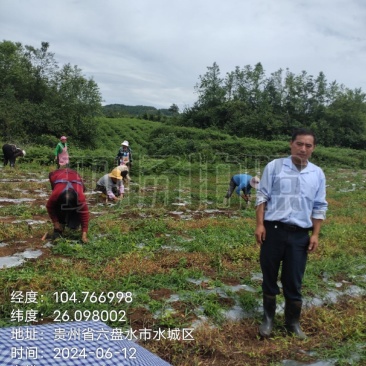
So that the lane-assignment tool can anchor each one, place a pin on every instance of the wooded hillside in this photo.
(247, 102)
(40, 101)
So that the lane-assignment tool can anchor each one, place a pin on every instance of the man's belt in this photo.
(289, 227)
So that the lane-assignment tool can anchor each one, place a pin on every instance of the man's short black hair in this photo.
(301, 132)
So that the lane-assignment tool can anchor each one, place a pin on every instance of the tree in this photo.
(15, 88)
(347, 118)
(246, 103)
(37, 98)
(174, 109)
(210, 89)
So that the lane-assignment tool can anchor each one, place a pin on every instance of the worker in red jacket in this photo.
(67, 204)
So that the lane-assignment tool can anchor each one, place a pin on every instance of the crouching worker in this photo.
(111, 184)
(11, 152)
(124, 169)
(67, 204)
(244, 183)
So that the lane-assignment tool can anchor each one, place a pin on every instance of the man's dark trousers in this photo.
(288, 245)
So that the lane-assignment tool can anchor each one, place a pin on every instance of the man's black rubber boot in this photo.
(269, 311)
(292, 318)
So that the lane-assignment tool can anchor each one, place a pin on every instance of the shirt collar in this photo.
(288, 162)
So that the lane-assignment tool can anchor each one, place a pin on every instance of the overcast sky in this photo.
(152, 52)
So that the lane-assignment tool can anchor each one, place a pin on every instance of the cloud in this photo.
(152, 52)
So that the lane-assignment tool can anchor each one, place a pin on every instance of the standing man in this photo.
(61, 153)
(290, 203)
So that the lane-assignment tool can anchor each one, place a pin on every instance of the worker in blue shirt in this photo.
(290, 203)
(242, 183)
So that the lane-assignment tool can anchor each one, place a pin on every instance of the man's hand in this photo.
(260, 234)
(84, 237)
(313, 243)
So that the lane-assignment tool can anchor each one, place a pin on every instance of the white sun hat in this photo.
(254, 182)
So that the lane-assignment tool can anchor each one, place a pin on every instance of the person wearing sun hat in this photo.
(111, 185)
(124, 172)
(124, 155)
(61, 153)
(242, 183)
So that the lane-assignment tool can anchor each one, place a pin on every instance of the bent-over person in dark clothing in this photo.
(67, 204)
(11, 152)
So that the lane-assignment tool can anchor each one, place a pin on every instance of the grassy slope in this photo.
(146, 137)
(114, 131)
(138, 133)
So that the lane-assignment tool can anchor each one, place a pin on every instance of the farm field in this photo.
(181, 259)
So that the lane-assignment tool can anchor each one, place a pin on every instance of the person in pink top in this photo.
(61, 153)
